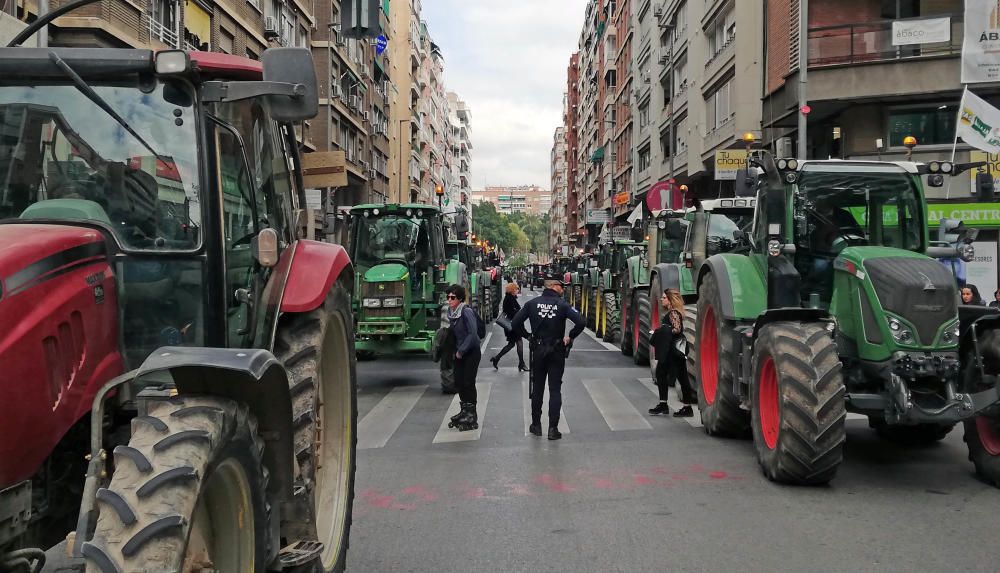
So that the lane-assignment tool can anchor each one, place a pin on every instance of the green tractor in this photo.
(402, 270)
(605, 291)
(576, 272)
(716, 226)
(838, 306)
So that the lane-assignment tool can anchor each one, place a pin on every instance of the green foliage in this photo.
(514, 232)
(518, 260)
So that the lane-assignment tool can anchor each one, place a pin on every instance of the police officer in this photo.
(549, 347)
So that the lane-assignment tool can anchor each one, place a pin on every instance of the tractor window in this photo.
(62, 157)
(392, 238)
(721, 231)
(672, 240)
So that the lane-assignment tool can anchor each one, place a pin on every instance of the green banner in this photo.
(972, 214)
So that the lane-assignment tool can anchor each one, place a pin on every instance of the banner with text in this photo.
(978, 123)
(981, 47)
(728, 162)
(928, 31)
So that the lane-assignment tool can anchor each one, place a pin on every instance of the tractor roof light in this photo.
(909, 142)
(172, 62)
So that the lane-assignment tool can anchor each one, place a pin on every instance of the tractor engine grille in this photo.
(381, 290)
(919, 290)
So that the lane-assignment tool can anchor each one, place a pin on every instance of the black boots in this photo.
(685, 412)
(659, 409)
(495, 361)
(465, 420)
(554, 433)
(522, 367)
(535, 429)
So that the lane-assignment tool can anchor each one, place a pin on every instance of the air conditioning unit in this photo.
(338, 92)
(366, 116)
(338, 38)
(783, 147)
(372, 172)
(658, 11)
(355, 102)
(271, 29)
(663, 59)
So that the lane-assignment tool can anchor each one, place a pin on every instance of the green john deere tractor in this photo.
(606, 279)
(716, 226)
(401, 272)
(575, 286)
(838, 306)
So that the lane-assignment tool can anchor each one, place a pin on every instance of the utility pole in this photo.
(43, 34)
(404, 174)
(803, 76)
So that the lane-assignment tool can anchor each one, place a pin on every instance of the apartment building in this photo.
(571, 120)
(594, 132)
(460, 116)
(646, 148)
(515, 199)
(620, 120)
(557, 212)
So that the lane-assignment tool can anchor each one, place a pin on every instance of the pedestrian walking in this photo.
(549, 347)
(996, 299)
(970, 295)
(510, 308)
(671, 352)
(467, 357)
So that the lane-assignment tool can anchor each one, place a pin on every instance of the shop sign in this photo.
(728, 162)
(972, 214)
(621, 198)
(982, 270)
(598, 216)
(926, 31)
(981, 46)
(992, 164)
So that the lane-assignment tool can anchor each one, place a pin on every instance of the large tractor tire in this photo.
(690, 321)
(578, 297)
(611, 317)
(916, 435)
(188, 493)
(315, 347)
(655, 318)
(488, 305)
(718, 361)
(982, 433)
(640, 328)
(797, 402)
(592, 309)
(628, 336)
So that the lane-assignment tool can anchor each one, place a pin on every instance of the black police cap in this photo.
(554, 277)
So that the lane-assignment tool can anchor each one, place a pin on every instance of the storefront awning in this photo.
(197, 21)
(598, 155)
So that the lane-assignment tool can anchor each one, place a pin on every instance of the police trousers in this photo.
(548, 362)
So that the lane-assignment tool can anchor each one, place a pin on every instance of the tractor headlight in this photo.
(900, 332)
(774, 247)
(951, 333)
(967, 252)
(392, 302)
(372, 303)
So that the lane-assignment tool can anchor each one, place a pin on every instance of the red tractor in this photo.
(177, 376)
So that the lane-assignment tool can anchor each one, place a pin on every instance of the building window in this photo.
(933, 125)
(252, 54)
(163, 21)
(721, 33)
(720, 108)
(644, 115)
(255, 4)
(226, 41)
(680, 135)
(681, 75)
(644, 159)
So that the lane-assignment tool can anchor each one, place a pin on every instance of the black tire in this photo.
(313, 346)
(721, 414)
(592, 309)
(488, 305)
(917, 435)
(578, 297)
(797, 401)
(612, 317)
(642, 312)
(626, 313)
(982, 433)
(690, 320)
(186, 450)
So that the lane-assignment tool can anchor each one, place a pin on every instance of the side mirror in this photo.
(984, 184)
(291, 66)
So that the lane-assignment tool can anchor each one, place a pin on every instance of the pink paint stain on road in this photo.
(475, 493)
(604, 484)
(640, 479)
(718, 475)
(421, 492)
(375, 499)
(554, 484)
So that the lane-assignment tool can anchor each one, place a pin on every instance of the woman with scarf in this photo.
(671, 366)
(510, 308)
(467, 357)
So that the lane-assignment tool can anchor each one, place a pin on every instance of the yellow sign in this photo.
(992, 163)
(621, 198)
(728, 162)
(325, 169)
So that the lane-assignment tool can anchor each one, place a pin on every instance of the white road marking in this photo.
(600, 341)
(526, 408)
(448, 435)
(378, 426)
(486, 341)
(674, 402)
(617, 411)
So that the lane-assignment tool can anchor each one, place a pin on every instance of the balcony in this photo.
(720, 62)
(163, 33)
(868, 42)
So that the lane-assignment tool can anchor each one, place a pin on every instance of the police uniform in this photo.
(548, 314)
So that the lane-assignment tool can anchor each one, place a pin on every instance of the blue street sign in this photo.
(380, 44)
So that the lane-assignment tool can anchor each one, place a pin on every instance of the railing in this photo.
(163, 33)
(866, 42)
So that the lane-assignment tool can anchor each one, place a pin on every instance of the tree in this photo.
(514, 232)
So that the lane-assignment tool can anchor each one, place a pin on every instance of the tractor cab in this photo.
(719, 226)
(398, 243)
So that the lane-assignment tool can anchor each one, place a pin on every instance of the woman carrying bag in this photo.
(510, 308)
(671, 350)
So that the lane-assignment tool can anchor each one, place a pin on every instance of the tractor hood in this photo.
(911, 287)
(30, 254)
(387, 272)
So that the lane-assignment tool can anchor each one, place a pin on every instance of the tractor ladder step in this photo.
(299, 553)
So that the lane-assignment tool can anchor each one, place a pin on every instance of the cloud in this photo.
(507, 59)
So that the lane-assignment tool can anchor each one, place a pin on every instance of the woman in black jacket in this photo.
(510, 308)
(671, 366)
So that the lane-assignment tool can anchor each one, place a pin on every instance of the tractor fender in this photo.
(741, 286)
(973, 320)
(789, 315)
(250, 376)
(315, 267)
(670, 276)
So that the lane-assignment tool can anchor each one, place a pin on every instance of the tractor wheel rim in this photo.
(709, 354)
(988, 435)
(222, 525)
(767, 400)
(333, 441)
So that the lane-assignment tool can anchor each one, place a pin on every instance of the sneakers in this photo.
(535, 429)
(660, 409)
(685, 412)
(555, 434)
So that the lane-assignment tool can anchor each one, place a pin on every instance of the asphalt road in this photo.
(625, 491)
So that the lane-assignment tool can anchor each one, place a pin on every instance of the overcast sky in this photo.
(507, 59)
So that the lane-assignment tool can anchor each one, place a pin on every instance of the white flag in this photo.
(979, 123)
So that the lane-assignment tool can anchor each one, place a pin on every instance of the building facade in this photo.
(516, 199)
(557, 212)
(460, 117)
